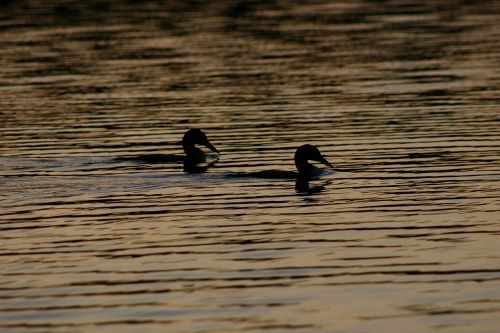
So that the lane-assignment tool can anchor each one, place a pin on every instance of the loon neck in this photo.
(303, 166)
(191, 151)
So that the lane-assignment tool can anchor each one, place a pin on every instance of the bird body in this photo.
(305, 169)
(193, 154)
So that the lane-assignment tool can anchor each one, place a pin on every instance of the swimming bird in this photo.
(306, 170)
(193, 154)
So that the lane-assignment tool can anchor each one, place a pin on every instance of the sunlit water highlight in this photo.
(401, 96)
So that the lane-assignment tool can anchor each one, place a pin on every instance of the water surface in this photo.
(401, 96)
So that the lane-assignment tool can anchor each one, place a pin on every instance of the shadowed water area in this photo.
(402, 97)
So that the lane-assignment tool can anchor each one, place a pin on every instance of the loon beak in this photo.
(325, 162)
(211, 147)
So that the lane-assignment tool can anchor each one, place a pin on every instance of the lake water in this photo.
(402, 96)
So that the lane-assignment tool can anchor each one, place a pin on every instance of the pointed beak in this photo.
(211, 147)
(325, 162)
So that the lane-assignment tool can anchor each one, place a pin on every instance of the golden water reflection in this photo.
(401, 96)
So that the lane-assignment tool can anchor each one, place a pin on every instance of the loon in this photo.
(305, 169)
(193, 155)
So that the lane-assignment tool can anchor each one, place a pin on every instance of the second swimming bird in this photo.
(305, 170)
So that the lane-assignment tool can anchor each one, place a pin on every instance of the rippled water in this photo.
(401, 96)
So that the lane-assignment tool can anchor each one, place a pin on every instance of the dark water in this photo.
(403, 97)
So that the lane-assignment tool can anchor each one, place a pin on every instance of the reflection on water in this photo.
(302, 186)
(195, 167)
(401, 96)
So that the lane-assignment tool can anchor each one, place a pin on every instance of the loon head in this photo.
(307, 153)
(195, 137)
